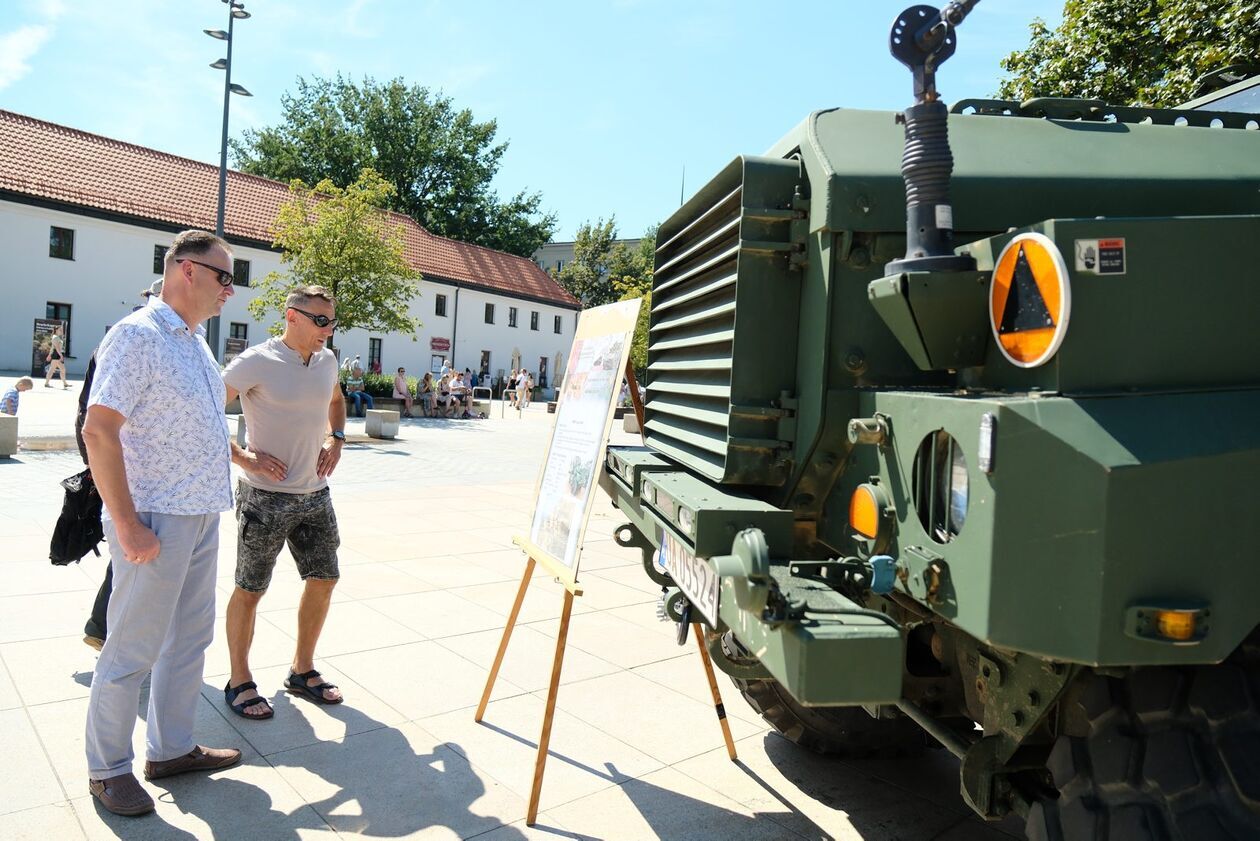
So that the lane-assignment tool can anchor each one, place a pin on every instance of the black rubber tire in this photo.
(1171, 754)
(848, 732)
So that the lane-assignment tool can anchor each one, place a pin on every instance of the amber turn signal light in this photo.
(864, 512)
(1175, 624)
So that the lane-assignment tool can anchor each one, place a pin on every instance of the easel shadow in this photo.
(668, 813)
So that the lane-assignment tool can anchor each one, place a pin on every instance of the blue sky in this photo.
(603, 103)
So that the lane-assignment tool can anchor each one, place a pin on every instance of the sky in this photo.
(605, 104)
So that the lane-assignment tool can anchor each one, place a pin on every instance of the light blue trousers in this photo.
(161, 619)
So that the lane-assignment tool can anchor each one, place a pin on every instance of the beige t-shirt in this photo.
(286, 409)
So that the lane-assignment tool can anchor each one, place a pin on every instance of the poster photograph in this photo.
(591, 382)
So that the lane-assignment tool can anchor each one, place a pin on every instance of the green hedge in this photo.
(379, 385)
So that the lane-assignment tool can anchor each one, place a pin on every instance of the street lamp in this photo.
(236, 11)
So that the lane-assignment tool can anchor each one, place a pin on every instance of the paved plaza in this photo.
(428, 577)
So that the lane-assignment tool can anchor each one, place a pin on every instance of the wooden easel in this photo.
(571, 590)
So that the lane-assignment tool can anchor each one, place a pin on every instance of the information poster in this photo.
(41, 343)
(233, 348)
(591, 382)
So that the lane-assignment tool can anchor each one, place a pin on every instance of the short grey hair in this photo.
(194, 244)
(300, 296)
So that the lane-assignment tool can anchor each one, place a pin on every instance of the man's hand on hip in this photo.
(329, 455)
(139, 544)
(261, 464)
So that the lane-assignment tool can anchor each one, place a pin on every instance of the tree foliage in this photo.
(341, 239)
(602, 269)
(1133, 51)
(635, 281)
(438, 158)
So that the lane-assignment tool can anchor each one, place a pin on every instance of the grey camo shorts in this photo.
(266, 519)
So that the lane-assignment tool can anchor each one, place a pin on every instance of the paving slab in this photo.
(421, 679)
(581, 759)
(24, 749)
(48, 670)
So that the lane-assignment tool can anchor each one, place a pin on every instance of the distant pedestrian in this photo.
(158, 450)
(9, 402)
(56, 358)
(290, 396)
(402, 391)
(356, 391)
(522, 389)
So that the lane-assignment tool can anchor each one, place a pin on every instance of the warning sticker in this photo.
(1100, 256)
(1029, 300)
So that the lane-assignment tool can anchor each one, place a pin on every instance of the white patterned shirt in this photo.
(159, 375)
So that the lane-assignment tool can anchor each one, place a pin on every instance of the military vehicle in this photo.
(952, 428)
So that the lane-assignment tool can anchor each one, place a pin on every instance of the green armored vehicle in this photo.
(971, 460)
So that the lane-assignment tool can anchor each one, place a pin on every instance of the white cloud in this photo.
(17, 48)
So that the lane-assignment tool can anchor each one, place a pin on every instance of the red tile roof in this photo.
(65, 165)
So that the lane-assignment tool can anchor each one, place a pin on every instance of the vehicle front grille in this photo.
(711, 397)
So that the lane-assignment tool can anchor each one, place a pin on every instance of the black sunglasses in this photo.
(320, 320)
(224, 277)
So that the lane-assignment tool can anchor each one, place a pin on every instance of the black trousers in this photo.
(95, 626)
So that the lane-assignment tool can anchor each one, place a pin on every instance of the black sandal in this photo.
(297, 685)
(230, 693)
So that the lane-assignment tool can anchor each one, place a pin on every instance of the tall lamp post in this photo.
(236, 11)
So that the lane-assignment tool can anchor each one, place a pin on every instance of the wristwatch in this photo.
(339, 434)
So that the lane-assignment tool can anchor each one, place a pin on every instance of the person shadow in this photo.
(375, 781)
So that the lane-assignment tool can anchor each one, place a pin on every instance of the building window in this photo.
(439, 305)
(533, 320)
(511, 316)
(159, 259)
(61, 243)
(374, 355)
(60, 312)
(559, 265)
(557, 323)
(489, 313)
(240, 273)
(239, 331)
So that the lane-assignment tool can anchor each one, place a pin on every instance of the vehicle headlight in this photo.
(941, 486)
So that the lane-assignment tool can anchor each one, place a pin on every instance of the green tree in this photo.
(438, 158)
(341, 239)
(1133, 51)
(635, 281)
(601, 266)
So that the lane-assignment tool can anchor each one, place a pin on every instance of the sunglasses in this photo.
(224, 277)
(320, 320)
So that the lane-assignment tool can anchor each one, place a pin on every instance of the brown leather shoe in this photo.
(122, 795)
(198, 759)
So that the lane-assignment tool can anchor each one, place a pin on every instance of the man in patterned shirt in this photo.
(157, 444)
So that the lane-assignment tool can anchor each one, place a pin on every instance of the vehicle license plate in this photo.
(693, 576)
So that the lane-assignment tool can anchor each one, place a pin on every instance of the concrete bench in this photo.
(8, 435)
(381, 423)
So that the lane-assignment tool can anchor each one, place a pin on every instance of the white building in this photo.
(551, 257)
(84, 219)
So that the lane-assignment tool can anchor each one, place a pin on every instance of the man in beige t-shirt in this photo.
(291, 399)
